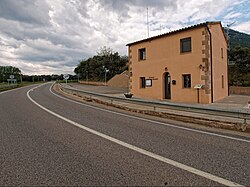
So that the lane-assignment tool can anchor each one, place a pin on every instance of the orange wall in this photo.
(164, 52)
(219, 63)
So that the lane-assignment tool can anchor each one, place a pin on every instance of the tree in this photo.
(93, 68)
(6, 71)
(239, 71)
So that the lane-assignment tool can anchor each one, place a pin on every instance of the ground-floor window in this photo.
(186, 80)
(142, 82)
(148, 82)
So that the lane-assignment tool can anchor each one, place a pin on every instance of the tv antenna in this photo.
(227, 28)
(147, 23)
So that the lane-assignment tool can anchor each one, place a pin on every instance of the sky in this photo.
(52, 36)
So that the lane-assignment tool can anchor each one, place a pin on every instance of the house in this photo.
(187, 65)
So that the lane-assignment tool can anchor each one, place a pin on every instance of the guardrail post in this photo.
(245, 119)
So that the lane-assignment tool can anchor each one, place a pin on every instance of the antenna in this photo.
(229, 25)
(228, 38)
(147, 23)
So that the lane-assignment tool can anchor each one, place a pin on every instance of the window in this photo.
(142, 82)
(222, 81)
(221, 50)
(185, 45)
(148, 82)
(186, 81)
(142, 54)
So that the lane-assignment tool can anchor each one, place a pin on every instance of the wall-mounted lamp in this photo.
(202, 67)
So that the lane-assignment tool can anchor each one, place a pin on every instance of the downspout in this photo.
(211, 60)
(227, 75)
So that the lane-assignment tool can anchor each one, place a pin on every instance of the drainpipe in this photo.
(227, 75)
(211, 60)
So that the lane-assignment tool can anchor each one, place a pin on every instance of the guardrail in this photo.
(233, 113)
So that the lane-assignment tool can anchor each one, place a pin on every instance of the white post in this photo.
(87, 77)
(105, 76)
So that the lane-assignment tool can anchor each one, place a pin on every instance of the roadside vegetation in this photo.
(93, 68)
(239, 66)
(12, 77)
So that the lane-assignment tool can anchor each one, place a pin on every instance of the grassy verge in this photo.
(69, 81)
(5, 86)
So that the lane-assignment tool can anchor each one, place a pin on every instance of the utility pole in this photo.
(87, 77)
(228, 50)
(21, 79)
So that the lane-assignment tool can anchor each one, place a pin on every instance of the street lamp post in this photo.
(106, 70)
(87, 77)
(21, 79)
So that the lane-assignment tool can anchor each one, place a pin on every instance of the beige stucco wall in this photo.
(163, 55)
(219, 63)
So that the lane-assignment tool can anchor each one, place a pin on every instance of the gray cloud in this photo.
(51, 36)
(28, 11)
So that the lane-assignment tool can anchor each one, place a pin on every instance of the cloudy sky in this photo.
(51, 36)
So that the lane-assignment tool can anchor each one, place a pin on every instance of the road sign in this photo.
(66, 76)
(12, 76)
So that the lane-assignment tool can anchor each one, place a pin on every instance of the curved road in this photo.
(49, 140)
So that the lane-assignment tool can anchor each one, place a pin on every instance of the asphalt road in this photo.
(47, 140)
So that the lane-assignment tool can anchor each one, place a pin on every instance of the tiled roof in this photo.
(174, 32)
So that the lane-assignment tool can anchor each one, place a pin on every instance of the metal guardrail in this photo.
(233, 113)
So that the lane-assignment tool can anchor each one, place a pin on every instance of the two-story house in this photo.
(187, 65)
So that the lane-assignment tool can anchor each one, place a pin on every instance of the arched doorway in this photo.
(167, 86)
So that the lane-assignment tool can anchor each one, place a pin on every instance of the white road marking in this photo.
(140, 150)
(152, 121)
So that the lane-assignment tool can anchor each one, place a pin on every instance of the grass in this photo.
(6, 86)
(69, 81)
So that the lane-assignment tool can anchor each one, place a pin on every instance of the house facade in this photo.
(188, 65)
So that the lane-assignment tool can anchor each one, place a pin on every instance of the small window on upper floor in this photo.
(186, 45)
(142, 54)
(221, 51)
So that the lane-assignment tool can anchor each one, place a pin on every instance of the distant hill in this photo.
(238, 38)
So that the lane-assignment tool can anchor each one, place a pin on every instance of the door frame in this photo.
(167, 85)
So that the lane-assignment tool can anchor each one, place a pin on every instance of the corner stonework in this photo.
(206, 61)
(130, 69)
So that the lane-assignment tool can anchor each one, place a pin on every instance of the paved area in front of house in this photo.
(233, 101)
(99, 89)
(230, 102)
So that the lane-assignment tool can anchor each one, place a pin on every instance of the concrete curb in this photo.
(177, 117)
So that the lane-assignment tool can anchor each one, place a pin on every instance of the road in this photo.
(49, 140)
